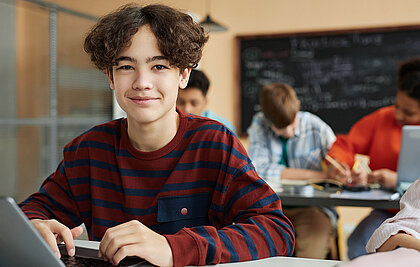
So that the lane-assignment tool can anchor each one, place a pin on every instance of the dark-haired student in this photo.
(378, 135)
(286, 143)
(193, 98)
(172, 188)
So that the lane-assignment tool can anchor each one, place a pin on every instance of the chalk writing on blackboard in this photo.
(340, 76)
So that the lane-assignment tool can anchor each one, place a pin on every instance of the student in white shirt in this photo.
(402, 230)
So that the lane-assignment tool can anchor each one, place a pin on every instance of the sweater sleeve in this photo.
(246, 223)
(357, 141)
(54, 200)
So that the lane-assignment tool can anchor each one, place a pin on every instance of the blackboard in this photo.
(338, 75)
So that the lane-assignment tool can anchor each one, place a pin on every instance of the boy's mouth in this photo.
(143, 100)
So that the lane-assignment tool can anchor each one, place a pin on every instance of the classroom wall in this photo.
(267, 16)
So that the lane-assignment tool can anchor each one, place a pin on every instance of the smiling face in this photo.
(407, 109)
(145, 84)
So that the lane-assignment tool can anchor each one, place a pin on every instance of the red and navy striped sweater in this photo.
(201, 191)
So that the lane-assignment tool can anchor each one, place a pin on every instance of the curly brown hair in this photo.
(180, 39)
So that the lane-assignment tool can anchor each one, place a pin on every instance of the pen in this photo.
(335, 164)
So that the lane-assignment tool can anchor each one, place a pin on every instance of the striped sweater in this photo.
(200, 191)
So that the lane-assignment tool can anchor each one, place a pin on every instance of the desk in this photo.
(321, 198)
(268, 262)
(284, 261)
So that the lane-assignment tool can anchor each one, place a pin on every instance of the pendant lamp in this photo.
(209, 24)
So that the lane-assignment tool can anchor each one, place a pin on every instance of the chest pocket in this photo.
(176, 212)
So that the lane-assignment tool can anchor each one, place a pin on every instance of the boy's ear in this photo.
(184, 77)
(110, 79)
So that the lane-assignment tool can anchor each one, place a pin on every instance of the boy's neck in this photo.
(153, 136)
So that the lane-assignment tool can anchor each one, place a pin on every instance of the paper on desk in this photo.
(372, 194)
(307, 181)
(293, 182)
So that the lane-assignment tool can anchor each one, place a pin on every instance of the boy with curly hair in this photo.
(161, 185)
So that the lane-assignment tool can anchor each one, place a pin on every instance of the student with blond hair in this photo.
(286, 143)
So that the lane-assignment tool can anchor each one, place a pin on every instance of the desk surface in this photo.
(274, 261)
(321, 198)
(284, 261)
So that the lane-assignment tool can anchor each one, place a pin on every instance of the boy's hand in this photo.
(54, 233)
(359, 177)
(342, 174)
(135, 239)
(384, 177)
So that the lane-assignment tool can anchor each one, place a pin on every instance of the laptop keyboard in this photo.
(86, 257)
(87, 262)
(84, 262)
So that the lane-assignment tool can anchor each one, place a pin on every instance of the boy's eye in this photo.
(125, 67)
(159, 67)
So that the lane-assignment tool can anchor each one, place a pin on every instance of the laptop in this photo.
(22, 245)
(408, 169)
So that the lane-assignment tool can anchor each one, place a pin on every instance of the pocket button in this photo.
(184, 211)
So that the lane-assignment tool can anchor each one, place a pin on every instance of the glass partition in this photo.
(50, 91)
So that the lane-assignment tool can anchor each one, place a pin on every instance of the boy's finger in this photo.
(77, 231)
(66, 235)
(52, 243)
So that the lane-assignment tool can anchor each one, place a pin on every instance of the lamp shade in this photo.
(212, 26)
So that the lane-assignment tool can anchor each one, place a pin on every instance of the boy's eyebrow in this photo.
(155, 58)
(124, 58)
(148, 60)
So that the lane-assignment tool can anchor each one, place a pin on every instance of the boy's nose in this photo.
(143, 81)
(188, 108)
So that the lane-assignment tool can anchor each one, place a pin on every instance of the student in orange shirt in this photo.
(378, 135)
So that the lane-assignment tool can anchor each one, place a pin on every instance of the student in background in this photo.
(402, 230)
(378, 135)
(160, 185)
(193, 98)
(286, 143)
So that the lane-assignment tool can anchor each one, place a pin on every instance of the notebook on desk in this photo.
(22, 245)
(408, 161)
